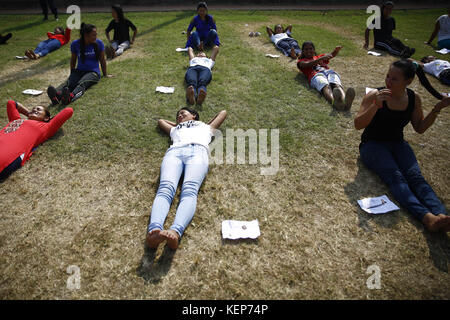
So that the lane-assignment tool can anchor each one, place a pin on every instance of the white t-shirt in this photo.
(200, 61)
(444, 30)
(191, 131)
(436, 67)
(278, 36)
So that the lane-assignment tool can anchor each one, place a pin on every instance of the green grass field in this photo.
(84, 198)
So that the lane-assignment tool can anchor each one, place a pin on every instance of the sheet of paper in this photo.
(377, 205)
(369, 89)
(165, 89)
(443, 51)
(233, 229)
(181, 49)
(272, 55)
(32, 92)
(374, 53)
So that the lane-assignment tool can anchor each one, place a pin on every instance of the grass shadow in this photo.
(182, 15)
(23, 26)
(34, 70)
(366, 184)
(153, 271)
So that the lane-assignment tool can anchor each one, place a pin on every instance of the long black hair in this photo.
(410, 69)
(304, 44)
(118, 9)
(84, 30)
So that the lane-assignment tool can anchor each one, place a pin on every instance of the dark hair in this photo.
(385, 4)
(410, 69)
(84, 30)
(119, 12)
(304, 44)
(202, 5)
(191, 111)
(61, 28)
(277, 26)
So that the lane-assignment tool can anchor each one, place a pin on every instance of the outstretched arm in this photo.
(218, 119)
(134, 36)
(421, 124)
(437, 27)
(336, 51)
(308, 64)
(166, 125)
(191, 53)
(214, 53)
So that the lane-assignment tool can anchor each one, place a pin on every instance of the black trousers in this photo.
(45, 8)
(79, 81)
(393, 46)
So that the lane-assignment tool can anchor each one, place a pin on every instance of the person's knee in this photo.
(190, 189)
(166, 190)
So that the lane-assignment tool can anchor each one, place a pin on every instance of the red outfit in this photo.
(311, 71)
(20, 136)
(62, 38)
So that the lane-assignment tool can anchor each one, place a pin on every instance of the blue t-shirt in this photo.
(90, 60)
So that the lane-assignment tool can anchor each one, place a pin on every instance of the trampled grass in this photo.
(85, 196)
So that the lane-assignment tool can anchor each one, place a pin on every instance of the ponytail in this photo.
(84, 30)
(410, 69)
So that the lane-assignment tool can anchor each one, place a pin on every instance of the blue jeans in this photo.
(194, 39)
(444, 44)
(193, 161)
(286, 44)
(47, 46)
(198, 77)
(397, 166)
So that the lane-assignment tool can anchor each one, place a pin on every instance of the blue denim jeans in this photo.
(194, 39)
(198, 77)
(47, 46)
(193, 161)
(397, 166)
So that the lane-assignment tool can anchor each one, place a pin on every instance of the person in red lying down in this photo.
(20, 137)
(55, 40)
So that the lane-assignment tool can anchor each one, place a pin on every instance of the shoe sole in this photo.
(339, 103)
(349, 97)
(52, 94)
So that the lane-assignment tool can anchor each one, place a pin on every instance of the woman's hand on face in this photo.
(383, 95)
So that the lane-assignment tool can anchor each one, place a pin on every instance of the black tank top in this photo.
(387, 124)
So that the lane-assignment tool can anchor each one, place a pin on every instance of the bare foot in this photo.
(201, 96)
(436, 223)
(154, 238)
(190, 94)
(171, 237)
(293, 55)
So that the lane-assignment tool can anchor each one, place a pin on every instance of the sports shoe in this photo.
(66, 96)
(338, 99)
(349, 97)
(53, 95)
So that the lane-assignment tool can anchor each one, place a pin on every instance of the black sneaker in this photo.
(66, 96)
(53, 95)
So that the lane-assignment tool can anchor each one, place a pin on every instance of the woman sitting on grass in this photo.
(198, 75)
(121, 27)
(189, 155)
(21, 136)
(383, 115)
(283, 41)
(205, 34)
(55, 40)
(324, 79)
(88, 51)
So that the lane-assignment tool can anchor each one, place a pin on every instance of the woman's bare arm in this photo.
(166, 125)
(218, 119)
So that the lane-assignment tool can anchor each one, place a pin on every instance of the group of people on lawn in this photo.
(383, 113)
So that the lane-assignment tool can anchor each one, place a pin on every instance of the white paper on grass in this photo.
(374, 53)
(165, 89)
(32, 92)
(377, 205)
(21, 57)
(181, 49)
(272, 55)
(443, 51)
(233, 229)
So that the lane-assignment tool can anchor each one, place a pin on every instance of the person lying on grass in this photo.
(55, 40)
(189, 155)
(20, 136)
(322, 78)
(436, 67)
(121, 27)
(198, 75)
(88, 51)
(283, 41)
(383, 114)
(205, 34)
